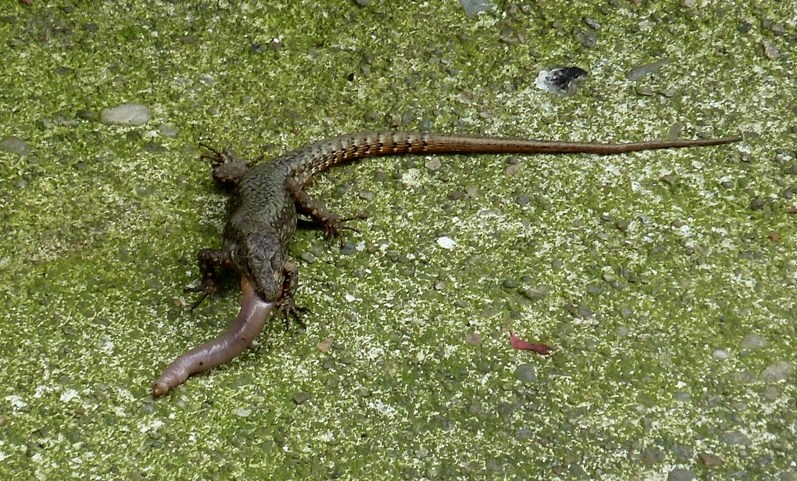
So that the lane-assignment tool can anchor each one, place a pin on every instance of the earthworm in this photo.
(224, 347)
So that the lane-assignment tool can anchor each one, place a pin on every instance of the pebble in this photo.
(433, 164)
(526, 373)
(524, 434)
(709, 459)
(126, 114)
(777, 371)
(535, 293)
(721, 355)
(737, 438)
(301, 397)
(168, 130)
(474, 7)
(640, 71)
(753, 341)
(15, 145)
(679, 474)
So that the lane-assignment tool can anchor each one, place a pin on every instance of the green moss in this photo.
(644, 265)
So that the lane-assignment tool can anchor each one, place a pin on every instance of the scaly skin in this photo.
(266, 199)
(263, 207)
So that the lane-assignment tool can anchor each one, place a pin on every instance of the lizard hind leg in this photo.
(331, 223)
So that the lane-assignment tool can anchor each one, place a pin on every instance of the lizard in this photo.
(266, 201)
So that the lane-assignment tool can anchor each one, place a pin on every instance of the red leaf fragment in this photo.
(518, 343)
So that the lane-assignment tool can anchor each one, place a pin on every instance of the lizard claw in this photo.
(333, 228)
(205, 290)
(227, 168)
(291, 312)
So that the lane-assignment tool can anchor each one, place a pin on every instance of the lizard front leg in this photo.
(210, 262)
(286, 303)
(332, 223)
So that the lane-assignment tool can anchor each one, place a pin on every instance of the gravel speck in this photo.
(709, 459)
(15, 145)
(526, 373)
(721, 355)
(637, 73)
(524, 434)
(777, 371)
(736, 438)
(126, 114)
(433, 164)
(301, 397)
(753, 341)
(474, 7)
(308, 257)
(679, 474)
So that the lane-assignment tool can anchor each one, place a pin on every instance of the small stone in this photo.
(771, 51)
(534, 293)
(524, 434)
(301, 397)
(308, 257)
(592, 23)
(526, 373)
(777, 371)
(753, 341)
(788, 476)
(757, 203)
(511, 283)
(679, 474)
(522, 199)
(242, 412)
(325, 344)
(126, 114)
(736, 438)
(512, 170)
(348, 248)
(473, 338)
(433, 164)
(15, 145)
(475, 7)
(709, 459)
(168, 130)
(584, 312)
(637, 73)
(721, 355)
(651, 456)
(446, 242)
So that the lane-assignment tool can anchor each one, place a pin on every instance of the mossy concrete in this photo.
(648, 273)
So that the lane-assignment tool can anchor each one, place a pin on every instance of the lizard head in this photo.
(261, 259)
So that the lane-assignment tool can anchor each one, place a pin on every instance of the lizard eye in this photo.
(277, 262)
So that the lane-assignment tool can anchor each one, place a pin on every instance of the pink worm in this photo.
(224, 347)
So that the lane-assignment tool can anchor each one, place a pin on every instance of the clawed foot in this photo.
(227, 168)
(216, 157)
(224, 156)
(208, 288)
(333, 227)
(291, 312)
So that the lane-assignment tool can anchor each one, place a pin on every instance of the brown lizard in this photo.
(262, 213)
